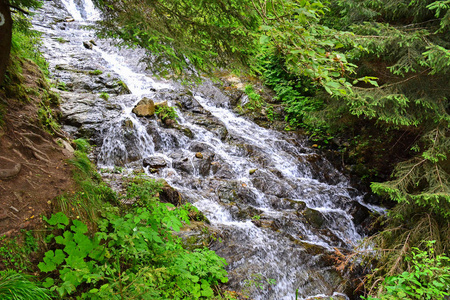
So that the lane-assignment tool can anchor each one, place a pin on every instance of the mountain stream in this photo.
(279, 207)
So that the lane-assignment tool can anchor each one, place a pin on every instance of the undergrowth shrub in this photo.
(427, 278)
(166, 112)
(133, 253)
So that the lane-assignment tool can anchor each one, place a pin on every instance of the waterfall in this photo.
(278, 206)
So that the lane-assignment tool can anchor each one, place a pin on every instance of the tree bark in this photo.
(5, 36)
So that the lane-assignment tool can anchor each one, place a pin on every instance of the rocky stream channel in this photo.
(277, 207)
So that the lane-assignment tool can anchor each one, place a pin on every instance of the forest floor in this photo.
(33, 166)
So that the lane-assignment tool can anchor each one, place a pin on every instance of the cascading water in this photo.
(279, 207)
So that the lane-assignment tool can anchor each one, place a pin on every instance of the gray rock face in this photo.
(155, 162)
(203, 162)
(82, 108)
(182, 162)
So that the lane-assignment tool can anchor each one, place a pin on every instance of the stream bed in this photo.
(278, 207)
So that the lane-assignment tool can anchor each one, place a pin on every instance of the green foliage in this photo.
(61, 85)
(16, 286)
(133, 254)
(82, 145)
(207, 35)
(180, 35)
(423, 180)
(2, 115)
(47, 118)
(15, 252)
(427, 278)
(62, 40)
(25, 42)
(255, 100)
(95, 72)
(104, 95)
(92, 193)
(166, 112)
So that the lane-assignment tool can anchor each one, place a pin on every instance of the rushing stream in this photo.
(278, 206)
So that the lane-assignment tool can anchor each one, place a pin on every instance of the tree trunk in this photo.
(5, 36)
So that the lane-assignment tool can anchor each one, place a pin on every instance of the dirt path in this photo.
(33, 166)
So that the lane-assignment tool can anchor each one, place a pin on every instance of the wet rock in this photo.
(81, 109)
(269, 184)
(185, 130)
(314, 217)
(252, 171)
(145, 108)
(215, 166)
(285, 203)
(128, 123)
(170, 123)
(361, 215)
(249, 213)
(170, 195)
(223, 171)
(188, 102)
(87, 45)
(196, 235)
(202, 162)
(182, 162)
(154, 162)
(234, 191)
(199, 147)
(322, 170)
(212, 124)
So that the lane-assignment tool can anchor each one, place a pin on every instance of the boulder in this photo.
(314, 217)
(170, 195)
(87, 45)
(11, 172)
(145, 108)
(202, 162)
(154, 162)
(182, 162)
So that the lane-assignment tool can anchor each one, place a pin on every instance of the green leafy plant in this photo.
(166, 112)
(104, 95)
(428, 277)
(133, 253)
(15, 252)
(48, 119)
(255, 100)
